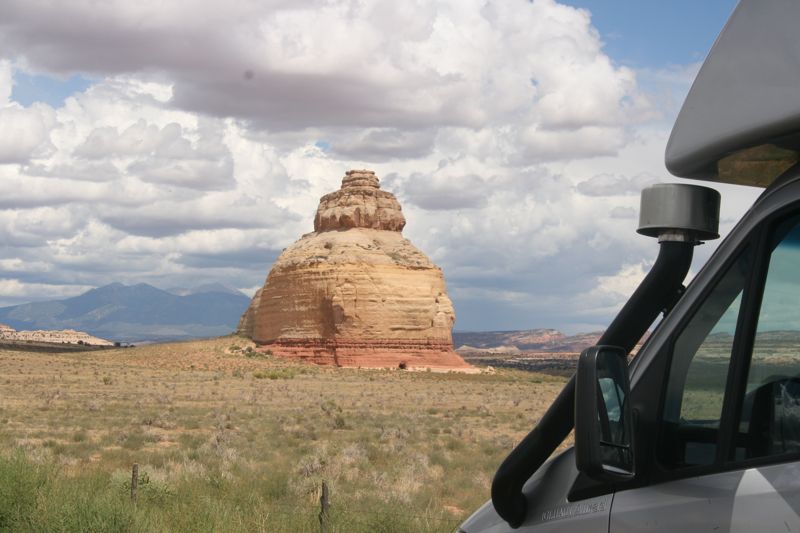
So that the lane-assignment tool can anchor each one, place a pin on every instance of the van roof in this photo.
(740, 122)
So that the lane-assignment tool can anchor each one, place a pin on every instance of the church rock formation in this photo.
(355, 292)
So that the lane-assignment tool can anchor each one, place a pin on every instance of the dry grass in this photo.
(413, 451)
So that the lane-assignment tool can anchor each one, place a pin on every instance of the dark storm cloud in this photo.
(382, 144)
(293, 65)
(161, 220)
(210, 57)
(285, 101)
(99, 38)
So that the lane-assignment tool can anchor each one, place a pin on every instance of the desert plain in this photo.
(230, 439)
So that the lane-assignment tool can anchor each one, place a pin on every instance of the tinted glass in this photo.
(612, 380)
(698, 373)
(770, 420)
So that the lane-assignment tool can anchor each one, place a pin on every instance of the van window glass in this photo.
(698, 373)
(770, 416)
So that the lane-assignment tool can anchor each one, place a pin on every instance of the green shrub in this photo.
(37, 497)
(21, 484)
(274, 373)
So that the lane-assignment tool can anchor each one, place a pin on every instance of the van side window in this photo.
(770, 414)
(698, 373)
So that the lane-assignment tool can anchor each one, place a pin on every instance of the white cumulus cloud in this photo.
(211, 129)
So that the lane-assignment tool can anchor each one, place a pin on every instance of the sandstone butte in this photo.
(355, 293)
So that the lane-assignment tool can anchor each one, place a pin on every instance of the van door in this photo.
(728, 450)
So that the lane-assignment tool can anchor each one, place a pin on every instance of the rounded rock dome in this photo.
(355, 292)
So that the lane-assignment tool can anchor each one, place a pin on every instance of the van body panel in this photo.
(765, 499)
(695, 504)
(741, 118)
(549, 510)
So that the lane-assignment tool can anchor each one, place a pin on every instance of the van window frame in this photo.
(738, 381)
(741, 354)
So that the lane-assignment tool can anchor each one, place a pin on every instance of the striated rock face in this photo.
(359, 204)
(247, 322)
(355, 292)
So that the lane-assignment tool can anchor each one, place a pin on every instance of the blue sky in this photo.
(657, 33)
(30, 88)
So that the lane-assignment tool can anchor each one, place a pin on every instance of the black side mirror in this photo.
(603, 425)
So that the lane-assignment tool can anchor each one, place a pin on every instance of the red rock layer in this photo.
(388, 353)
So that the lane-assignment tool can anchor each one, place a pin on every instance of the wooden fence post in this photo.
(134, 482)
(324, 503)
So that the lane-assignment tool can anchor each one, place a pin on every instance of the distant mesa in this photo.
(513, 342)
(530, 340)
(64, 336)
(354, 292)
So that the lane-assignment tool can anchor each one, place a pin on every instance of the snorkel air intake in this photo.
(681, 217)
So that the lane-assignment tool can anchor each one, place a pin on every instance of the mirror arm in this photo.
(658, 291)
(530, 454)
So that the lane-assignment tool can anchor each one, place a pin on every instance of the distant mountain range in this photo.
(140, 313)
(533, 340)
(136, 313)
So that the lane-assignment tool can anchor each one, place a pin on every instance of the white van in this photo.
(701, 431)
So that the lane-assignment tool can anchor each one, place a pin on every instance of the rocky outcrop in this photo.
(360, 203)
(355, 292)
(64, 336)
(541, 340)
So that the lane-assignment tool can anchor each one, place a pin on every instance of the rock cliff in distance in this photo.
(63, 336)
(355, 292)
